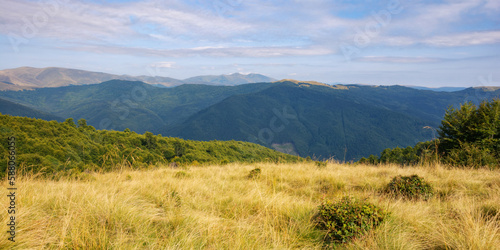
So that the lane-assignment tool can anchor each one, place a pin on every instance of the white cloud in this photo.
(83, 21)
(465, 39)
(389, 59)
(162, 65)
(209, 51)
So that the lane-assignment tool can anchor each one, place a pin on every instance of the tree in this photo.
(82, 123)
(470, 124)
(70, 122)
(470, 135)
(373, 159)
(456, 127)
(150, 140)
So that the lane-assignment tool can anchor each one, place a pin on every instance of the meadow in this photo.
(220, 207)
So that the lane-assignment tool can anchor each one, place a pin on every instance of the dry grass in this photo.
(218, 207)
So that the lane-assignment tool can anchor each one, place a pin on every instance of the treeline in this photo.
(468, 136)
(64, 148)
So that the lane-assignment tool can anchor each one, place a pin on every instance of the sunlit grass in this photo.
(219, 207)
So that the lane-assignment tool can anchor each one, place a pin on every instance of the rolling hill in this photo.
(61, 148)
(8, 107)
(118, 104)
(344, 122)
(305, 118)
(32, 78)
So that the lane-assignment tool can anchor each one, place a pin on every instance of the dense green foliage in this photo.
(420, 153)
(409, 187)
(63, 148)
(117, 104)
(347, 219)
(344, 122)
(319, 121)
(469, 136)
(7, 107)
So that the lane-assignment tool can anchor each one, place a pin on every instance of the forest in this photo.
(54, 148)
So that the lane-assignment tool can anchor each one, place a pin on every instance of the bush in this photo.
(470, 155)
(254, 173)
(372, 160)
(347, 219)
(181, 174)
(321, 164)
(409, 187)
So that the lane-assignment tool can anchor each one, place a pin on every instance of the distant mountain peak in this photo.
(229, 80)
(309, 83)
(32, 78)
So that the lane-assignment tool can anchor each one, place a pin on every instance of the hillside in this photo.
(318, 124)
(218, 207)
(341, 121)
(120, 104)
(32, 78)
(57, 149)
(344, 122)
(8, 107)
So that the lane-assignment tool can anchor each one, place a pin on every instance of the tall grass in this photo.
(219, 207)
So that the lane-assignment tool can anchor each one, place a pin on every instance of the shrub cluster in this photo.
(468, 137)
(347, 219)
(321, 164)
(254, 173)
(409, 187)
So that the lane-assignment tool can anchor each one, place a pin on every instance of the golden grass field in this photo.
(218, 207)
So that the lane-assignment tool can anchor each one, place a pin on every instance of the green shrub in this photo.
(372, 160)
(409, 187)
(347, 219)
(470, 155)
(254, 173)
(181, 174)
(321, 164)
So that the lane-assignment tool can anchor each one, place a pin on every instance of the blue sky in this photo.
(406, 42)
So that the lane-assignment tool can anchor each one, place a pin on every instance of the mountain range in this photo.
(32, 78)
(345, 122)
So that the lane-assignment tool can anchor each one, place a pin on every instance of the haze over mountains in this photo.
(31, 78)
(305, 118)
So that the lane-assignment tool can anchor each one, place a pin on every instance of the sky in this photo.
(405, 42)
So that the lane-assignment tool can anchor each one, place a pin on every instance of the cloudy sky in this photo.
(407, 42)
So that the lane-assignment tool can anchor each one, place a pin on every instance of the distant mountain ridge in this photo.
(119, 104)
(305, 118)
(32, 78)
(341, 121)
(441, 89)
(229, 80)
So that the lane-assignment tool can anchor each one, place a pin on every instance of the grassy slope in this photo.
(217, 207)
